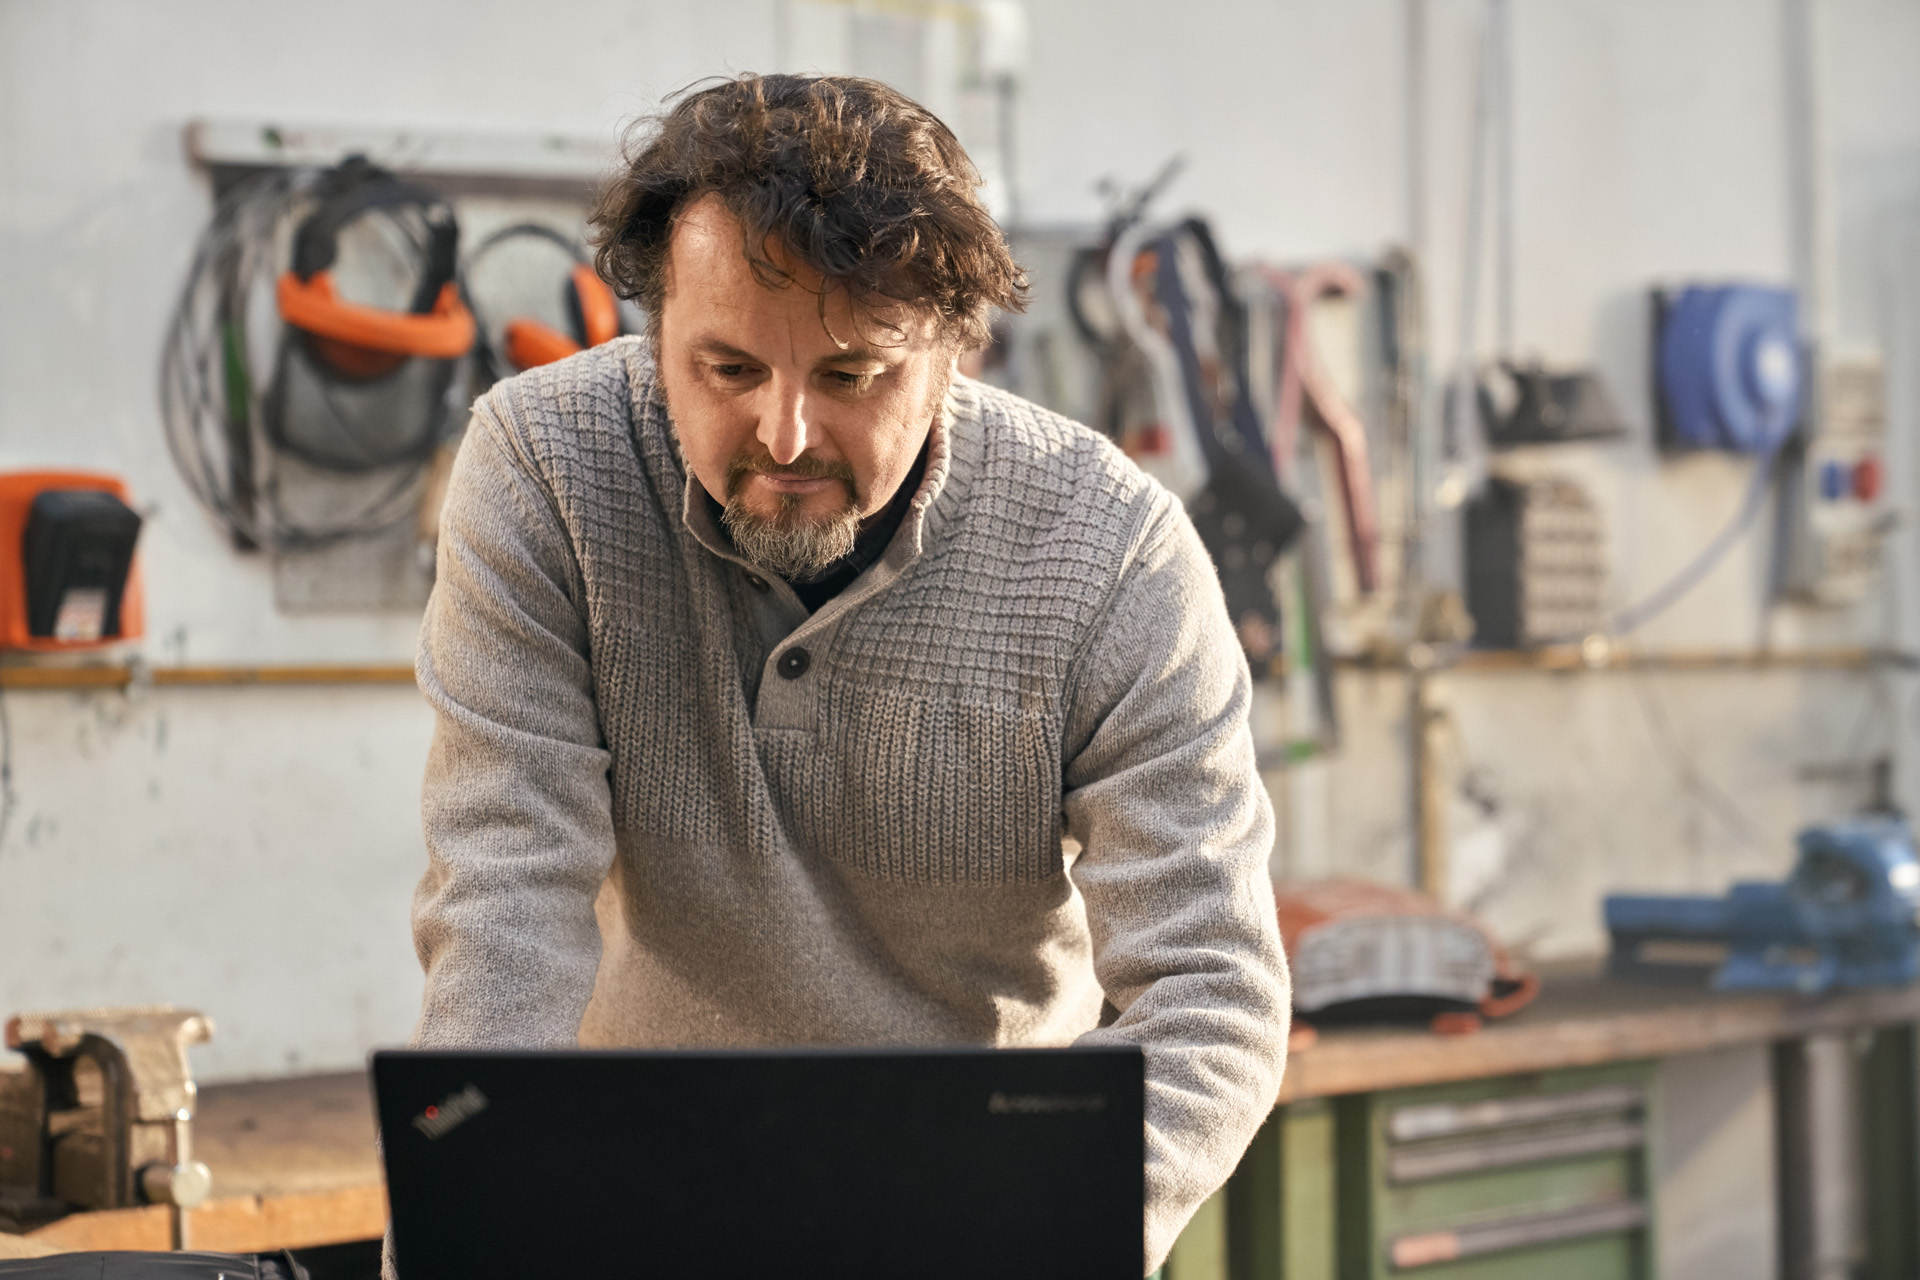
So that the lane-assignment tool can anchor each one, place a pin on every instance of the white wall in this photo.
(1673, 163)
(1290, 115)
(1650, 145)
(1873, 127)
(247, 854)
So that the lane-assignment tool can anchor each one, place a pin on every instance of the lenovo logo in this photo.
(1044, 1104)
(453, 1110)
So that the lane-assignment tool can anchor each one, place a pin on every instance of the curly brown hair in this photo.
(848, 176)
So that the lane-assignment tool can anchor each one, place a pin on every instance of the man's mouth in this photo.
(783, 482)
(799, 479)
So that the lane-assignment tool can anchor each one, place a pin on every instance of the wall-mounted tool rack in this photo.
(499, 163)
(338, 537)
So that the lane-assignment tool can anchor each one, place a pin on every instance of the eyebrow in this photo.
(715, 347)
(727, 351)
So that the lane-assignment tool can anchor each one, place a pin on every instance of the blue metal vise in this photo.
(1848, 916)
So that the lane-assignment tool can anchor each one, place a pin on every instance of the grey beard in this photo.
(798, 549)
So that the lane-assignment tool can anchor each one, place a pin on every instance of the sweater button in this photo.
(794, 663)
(758, 583)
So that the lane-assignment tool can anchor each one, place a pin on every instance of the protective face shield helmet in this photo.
(359, 387)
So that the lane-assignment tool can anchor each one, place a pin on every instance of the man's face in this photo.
(800, 426)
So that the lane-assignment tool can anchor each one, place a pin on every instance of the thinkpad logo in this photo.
(453, 1110)
(1044, 1104)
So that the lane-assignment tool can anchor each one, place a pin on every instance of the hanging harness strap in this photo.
(1305, 384)
(1242, 515)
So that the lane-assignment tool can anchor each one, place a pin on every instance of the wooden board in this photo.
(21, 1247)
(1583, 1019)
(301, 1134)
(256, 1224)
(228, 1224)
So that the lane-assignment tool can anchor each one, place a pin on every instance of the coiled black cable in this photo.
(224, 329)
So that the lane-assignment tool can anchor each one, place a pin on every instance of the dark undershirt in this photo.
(876, 531)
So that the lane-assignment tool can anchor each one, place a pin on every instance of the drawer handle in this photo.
(1479, 1155)
(1428, 1248)
(1433, 1120)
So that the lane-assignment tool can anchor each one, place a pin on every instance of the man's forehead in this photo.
(707, 232)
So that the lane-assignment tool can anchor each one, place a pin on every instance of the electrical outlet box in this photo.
(1839, 513)
(69, 579)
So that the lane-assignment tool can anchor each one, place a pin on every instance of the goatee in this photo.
(791, 543)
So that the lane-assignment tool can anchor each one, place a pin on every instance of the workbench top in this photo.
(295, 1165)
(1583, 1018)
(298, 1135)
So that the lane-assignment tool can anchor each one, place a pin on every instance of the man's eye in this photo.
(730, 370)
(851, 381)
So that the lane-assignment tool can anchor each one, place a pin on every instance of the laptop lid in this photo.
(970, 1163)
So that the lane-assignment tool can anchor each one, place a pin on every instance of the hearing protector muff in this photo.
(357, 386)
(593, 313)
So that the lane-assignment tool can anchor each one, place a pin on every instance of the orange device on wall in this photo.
(591, 307)
(358, 388)
(68, 579)
(593, 313)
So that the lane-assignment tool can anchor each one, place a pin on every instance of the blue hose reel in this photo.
(1730, 367)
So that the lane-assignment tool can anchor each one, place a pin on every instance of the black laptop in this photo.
(977, 1164)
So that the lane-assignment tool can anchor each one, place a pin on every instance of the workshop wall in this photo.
(1654, 144)
(246, 853)
(251, 851)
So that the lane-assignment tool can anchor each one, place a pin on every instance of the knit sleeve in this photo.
(516, 803)
(1175, 829)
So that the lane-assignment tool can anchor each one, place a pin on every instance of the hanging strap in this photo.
(1303, 384)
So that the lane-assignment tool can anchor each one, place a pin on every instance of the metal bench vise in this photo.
(1848, 916)
(102, 1116)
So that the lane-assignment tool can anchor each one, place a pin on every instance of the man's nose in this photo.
(783, 421)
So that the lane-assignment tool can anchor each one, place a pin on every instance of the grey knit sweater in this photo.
(1000, 790)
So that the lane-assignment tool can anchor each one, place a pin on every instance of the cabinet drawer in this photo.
(1521, 1175)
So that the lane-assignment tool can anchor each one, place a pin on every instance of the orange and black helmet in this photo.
(359, 342)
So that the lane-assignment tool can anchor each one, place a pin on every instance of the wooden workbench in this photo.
(295, 1166)
(1584, 1019)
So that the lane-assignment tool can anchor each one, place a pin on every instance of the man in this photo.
(792, 690)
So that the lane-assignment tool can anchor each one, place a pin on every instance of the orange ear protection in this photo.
(361, 342)
(593, 314)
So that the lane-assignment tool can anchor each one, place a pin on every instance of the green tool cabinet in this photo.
(1538, 1174)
